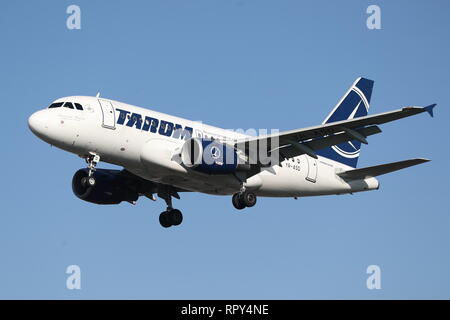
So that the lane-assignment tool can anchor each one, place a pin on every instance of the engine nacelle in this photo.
(209, 156)
(109, 188)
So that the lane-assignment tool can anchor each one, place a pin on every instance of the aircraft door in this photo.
(312, 169)
(109, 118)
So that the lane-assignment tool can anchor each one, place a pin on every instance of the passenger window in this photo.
(56, 105)
(78, 106)
(68, 105)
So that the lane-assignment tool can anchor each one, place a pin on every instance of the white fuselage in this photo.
(147, 151)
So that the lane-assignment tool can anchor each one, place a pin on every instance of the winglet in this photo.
(429, 109)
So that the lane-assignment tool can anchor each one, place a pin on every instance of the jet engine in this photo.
(110, 187)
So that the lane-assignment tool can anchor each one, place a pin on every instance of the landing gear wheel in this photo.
(164, 219)
(249, 199)
(176, 217)
(169, 218)
(91, 181)
(88, 181)
(237, 201)
(241, 200)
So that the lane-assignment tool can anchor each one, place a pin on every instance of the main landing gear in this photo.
(244, 199)
(92, 159)
(170, 217)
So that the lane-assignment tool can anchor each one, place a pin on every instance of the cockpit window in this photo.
(68, 105)
(56, 105)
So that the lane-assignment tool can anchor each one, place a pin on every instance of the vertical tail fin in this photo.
(354, 104)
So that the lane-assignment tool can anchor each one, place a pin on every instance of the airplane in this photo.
(166, 155)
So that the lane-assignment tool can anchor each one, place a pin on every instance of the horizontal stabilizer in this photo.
(374, 171)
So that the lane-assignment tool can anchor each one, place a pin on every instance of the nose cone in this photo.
(37, 123)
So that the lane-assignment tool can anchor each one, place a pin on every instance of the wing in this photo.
(308, 140)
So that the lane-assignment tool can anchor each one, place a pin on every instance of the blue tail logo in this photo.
(354, 104)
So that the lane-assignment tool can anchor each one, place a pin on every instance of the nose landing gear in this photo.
(92, 159)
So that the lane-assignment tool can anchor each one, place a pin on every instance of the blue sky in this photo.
(233, 64)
